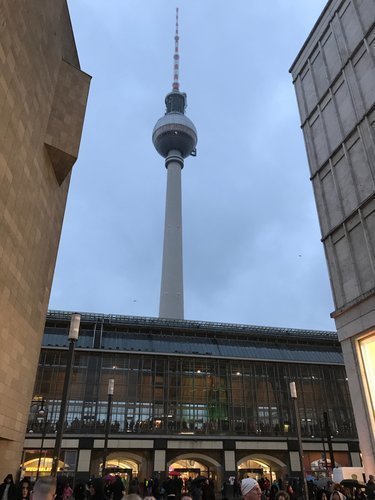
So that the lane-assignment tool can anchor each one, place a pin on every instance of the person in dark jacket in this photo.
(96, 489)
(117, 488)
(8, 490)
(370, 488)
(23, 490)
(208, 490)
(80, 492)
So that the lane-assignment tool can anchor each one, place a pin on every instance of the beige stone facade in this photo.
(43, 96)
(334, 76)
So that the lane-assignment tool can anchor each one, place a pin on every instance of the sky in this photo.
(252, 249)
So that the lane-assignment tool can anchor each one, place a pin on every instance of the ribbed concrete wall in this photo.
(334, 80)
(334, 77)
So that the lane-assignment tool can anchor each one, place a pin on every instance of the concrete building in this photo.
(334, 78)
(190, 396)
(43, 97)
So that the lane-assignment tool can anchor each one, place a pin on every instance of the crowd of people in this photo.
(113, 487)
(292, 490)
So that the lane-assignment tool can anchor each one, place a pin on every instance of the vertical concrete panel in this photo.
(331, 54)
(351, 27)
(332, 129)
(308, 90)
(355, 459)
(345, 108)
(344, 181)
(364, 70)
(159, 461)
(363, 176)
(319, 139)
(366, 11)
(362, 258)
(332, 200)
(320, 74)
(294, 461)
(229, 460)
(84, 459)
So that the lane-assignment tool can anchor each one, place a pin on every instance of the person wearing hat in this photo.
(250, 489)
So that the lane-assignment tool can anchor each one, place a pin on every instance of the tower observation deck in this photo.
(175, 138)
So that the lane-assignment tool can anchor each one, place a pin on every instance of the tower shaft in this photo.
(171, 292)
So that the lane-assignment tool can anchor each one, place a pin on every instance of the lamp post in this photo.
(324, 455)
(293, 394)
(73, 337)
(329, 440)
(42, 414)
(111, 387)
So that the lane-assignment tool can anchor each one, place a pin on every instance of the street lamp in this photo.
(73, 337)
(293, 394)
(329, 440)
(111, 387)
(42, 418)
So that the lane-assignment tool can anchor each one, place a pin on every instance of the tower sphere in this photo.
(174, 131)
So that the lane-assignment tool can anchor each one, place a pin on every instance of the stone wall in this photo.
(43, 96)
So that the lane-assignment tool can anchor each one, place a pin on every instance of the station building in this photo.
(190, 397)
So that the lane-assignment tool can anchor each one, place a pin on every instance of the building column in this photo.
(160, 465)
(294, 460)
(230, 469)
(83, 465)
(84, 459)
(363, 419)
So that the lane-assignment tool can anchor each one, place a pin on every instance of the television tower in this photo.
(175, 138)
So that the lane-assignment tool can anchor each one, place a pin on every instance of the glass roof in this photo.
(195, 338)
(191, 324)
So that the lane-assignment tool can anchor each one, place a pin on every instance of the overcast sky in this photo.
(252, 250)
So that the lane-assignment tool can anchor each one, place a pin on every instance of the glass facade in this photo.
(164, 394)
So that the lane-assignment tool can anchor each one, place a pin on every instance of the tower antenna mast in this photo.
(176, 59)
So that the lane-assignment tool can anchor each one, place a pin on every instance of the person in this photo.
(196, 491)
(250, 489)
(45, 488)
(185, 496)
(133, 492)
(96, 489)
(282, 495)
(117, 488)
(370, 488)
(208, 490)
(8, 490)
(80, 491)
(24, 490)
(290, 489)
(273, 491)
(67, 492)
(336, 493)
